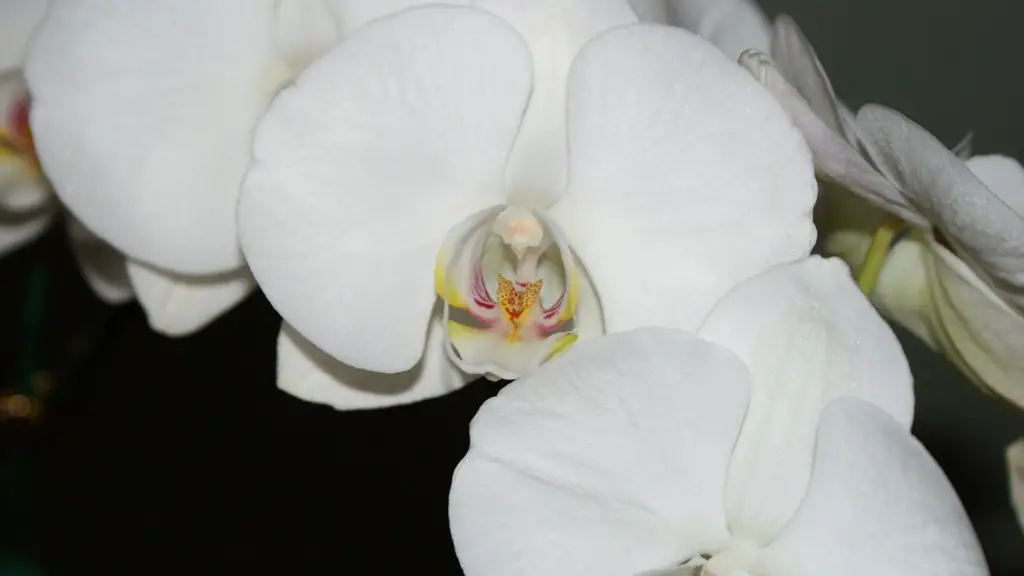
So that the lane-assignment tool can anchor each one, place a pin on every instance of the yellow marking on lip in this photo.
(451, 294)
(560, 345)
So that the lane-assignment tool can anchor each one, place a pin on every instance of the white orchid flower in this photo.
(732, 25)
(957, 280)
(143, 114)
(27, 203)
(552, 170)
(774, 442)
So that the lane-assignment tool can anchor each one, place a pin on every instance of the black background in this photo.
(156, 455)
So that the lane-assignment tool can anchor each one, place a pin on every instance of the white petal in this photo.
(734, 26)
(143, 114)
(306, 372)
(555, 31)
(16, 230)
(1003, 175)
(651, 10)
(904, 289)
(687, 177)
(877, 504)
(18, 18)
(610, 460)
(1015, 464)
(304, 31)
(795, 58)
(103, 268)
(808, 335)
(983, 225)
(179, 305)
(986, 333)
(354, 14)
(834, 157)
(362, 168)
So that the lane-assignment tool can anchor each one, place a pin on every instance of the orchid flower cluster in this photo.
(593, 198)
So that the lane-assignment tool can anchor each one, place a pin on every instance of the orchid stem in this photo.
(881, 242)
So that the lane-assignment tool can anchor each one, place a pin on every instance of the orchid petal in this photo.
(1015, 464)
(610, 460)
(808, 335)
(18, 18)
(986, 333)
(651, 10)
(673, 150)
(734, 26)
(103, 268)
(877, 503)
(16, 230)
(555, 31)
(143, 114)
(177, 305)
(796, 60)
(342, 241)
(941, 186)
(904, 289)
(304, 31)
(351, 15)
(306, 372)
(835, 158)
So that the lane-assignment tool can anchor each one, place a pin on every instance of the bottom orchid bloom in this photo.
(775, 442)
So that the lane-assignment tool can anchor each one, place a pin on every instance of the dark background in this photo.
(154, 456)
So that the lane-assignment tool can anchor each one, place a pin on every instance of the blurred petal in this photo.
(687, 177)
(1015, 463)
(306, 372)
(177, 305)
(610, 460)
(733, 25)
(16, 230)
(103, 268)
(834, 157)
(17, 20)
(808, 335)
(798, 63)
(555, 31)
(986, 332)
(143, 114)
(877, 504)
(980, 223)
(342, 241)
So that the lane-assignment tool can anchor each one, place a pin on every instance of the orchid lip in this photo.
(16, 137)
(509, 285)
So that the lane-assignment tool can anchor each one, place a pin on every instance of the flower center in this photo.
(15, 135)
(509, 289)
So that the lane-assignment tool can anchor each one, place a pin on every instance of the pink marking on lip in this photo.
(17, 116)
